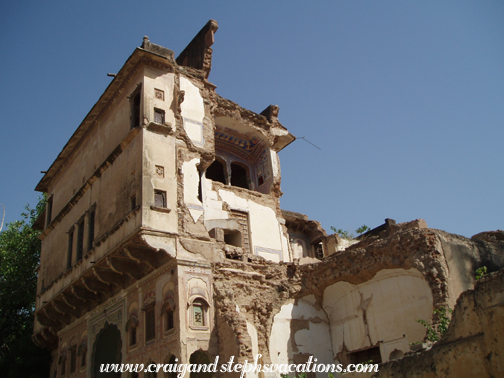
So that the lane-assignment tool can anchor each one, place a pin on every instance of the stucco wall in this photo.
(300, 330)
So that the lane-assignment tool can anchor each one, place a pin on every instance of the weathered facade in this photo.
(164, 239)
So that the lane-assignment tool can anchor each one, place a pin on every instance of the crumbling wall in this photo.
(381, 312)
(402, 276)
(301, 329)
(473, 345)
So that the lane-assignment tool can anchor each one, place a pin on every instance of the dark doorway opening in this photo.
(106, 350)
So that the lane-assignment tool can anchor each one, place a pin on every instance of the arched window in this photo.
(199, 313)
(73, 358)
(216, 172)
(150, 322)
(82, 352)
(167, 312)
(62, 363)
(239, 175)
(131, 328)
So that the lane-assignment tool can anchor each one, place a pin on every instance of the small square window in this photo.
(160, 198)
(159, 94)
(159, 116)
(160, 171)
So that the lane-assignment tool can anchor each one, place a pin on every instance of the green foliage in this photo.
(342, 233)
(349, 235)
(435, 332)
(480, 272)
(362, 229)
(19, 257)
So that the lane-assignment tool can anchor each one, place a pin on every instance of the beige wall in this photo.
(380, 311)
(299, 330)
(111, 193)
(159, 153)
(473, 345)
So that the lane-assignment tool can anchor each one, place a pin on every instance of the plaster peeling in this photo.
(195, 214)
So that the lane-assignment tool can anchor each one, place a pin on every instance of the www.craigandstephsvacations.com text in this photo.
(310, 366)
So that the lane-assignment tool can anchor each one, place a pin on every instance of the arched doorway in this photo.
(200, 358)
(106, 350)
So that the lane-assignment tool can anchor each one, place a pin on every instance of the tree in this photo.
(19, 257)
(349, 235)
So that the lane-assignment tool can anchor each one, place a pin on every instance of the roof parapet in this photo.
(147, 45)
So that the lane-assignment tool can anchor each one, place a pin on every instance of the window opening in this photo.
(135, 107)
(63, 366)
(216, 172)
(49, 210)
(168, 318)
(199, 313)
(160, 198)
(159, 116)
(83, 356)
(91, 230)
(366, 355)
(319, 251)
(132, 336)
(80, 240)
(242, 219)
(233, 237)
(70, 249)
(150, 324)
(73, 358)
(239, 176)
(133, 203)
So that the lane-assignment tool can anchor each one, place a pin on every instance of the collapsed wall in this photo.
(473, 344)
(353, 306)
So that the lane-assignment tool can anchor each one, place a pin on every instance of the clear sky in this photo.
(404, 98)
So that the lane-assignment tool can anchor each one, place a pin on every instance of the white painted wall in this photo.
(193, 111)
(287, 339)
(191, 187)
(265, 232)
(392, 301)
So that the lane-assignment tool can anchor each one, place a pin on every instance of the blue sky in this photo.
(405, 99)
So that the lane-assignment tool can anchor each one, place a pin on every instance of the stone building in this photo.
(163, 239)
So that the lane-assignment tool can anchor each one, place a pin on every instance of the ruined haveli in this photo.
(163, 239)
